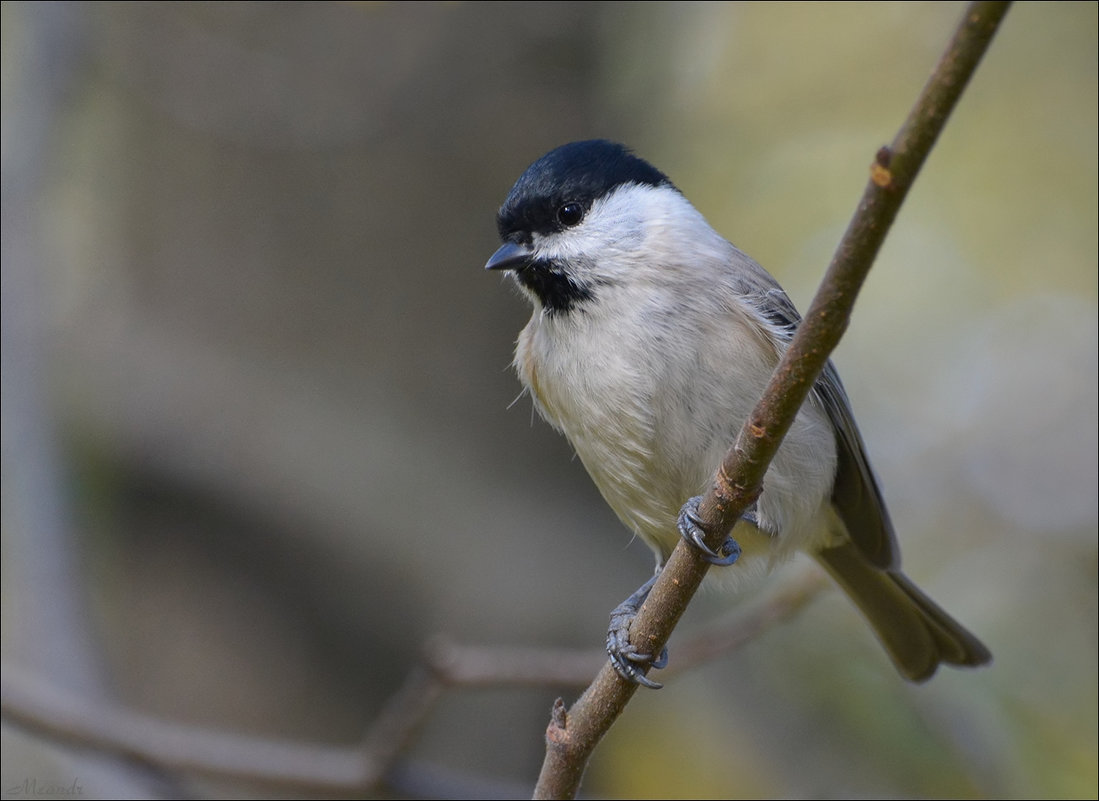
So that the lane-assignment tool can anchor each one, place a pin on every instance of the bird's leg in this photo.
(625, 658)
(690, 528)
(629, 663)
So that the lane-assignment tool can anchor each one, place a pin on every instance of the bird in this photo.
(651, 339)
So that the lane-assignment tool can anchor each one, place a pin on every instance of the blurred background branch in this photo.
(370, 766)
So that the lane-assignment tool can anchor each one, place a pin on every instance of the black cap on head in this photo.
(578, 172)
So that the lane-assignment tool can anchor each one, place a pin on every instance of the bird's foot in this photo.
(627, 661)
(690, 528)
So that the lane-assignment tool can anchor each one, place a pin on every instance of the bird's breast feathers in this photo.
(651, 423)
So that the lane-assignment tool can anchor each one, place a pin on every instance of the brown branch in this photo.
(573, 735)
(367, 765)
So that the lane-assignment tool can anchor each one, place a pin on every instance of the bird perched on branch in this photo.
(651, 341)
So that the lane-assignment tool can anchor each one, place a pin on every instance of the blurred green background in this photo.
(257, 443)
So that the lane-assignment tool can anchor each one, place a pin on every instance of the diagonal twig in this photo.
(572, 735)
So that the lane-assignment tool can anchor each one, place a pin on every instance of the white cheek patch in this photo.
(633, 229)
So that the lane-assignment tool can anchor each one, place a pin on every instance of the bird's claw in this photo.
(631, 665)
(690, 528)
(627, 661)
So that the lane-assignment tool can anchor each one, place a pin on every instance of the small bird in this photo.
(652, 338)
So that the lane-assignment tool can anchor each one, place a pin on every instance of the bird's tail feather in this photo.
(915, 630)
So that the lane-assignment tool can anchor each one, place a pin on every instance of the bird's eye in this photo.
(570, 214)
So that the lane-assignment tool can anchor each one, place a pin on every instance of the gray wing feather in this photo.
(855, 494)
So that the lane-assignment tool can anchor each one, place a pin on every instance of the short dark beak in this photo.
(510, 257)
